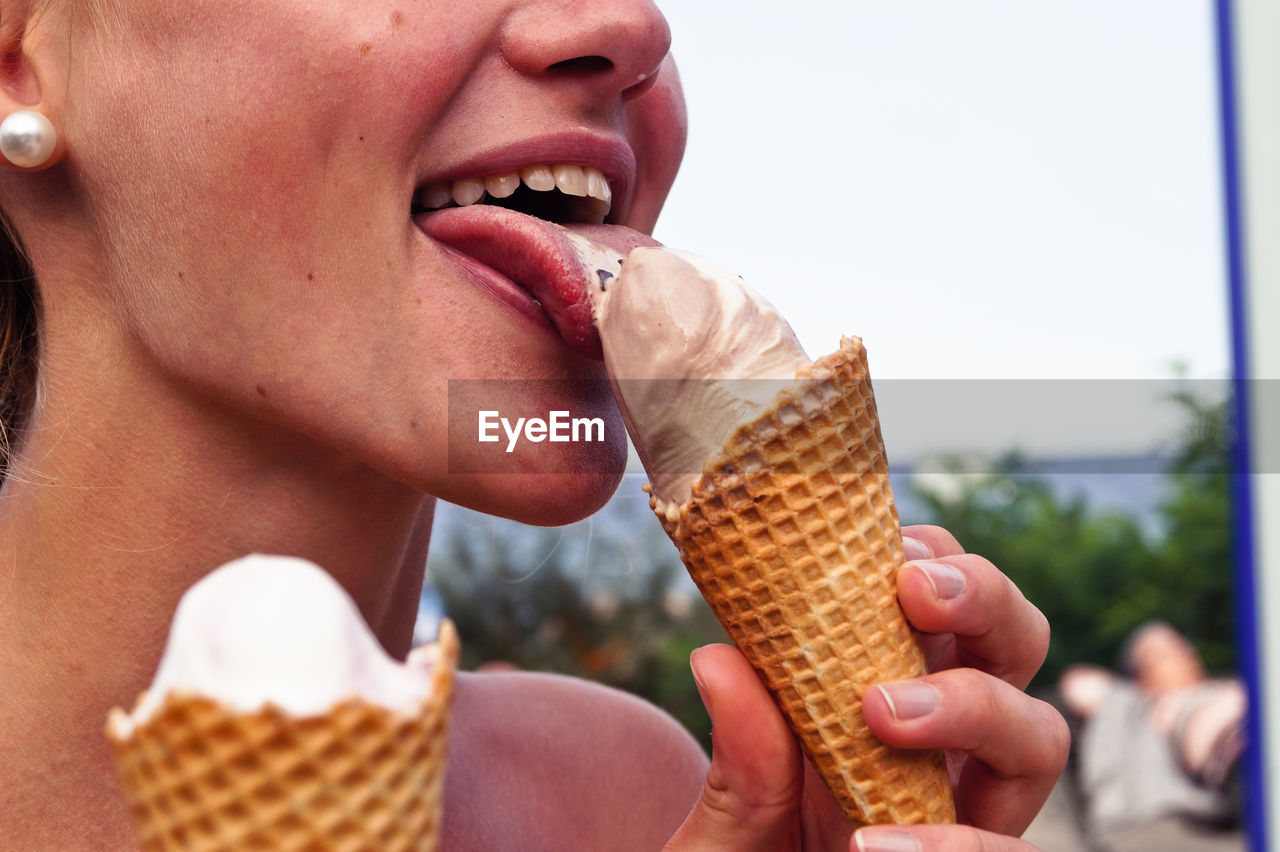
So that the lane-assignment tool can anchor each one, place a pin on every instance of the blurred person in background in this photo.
(1162, 740)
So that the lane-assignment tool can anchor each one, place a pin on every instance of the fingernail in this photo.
(947, 581)
(885, 840)
(914, 548)
(909, 699)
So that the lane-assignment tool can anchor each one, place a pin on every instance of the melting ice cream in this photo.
(687, 345)
(275, 630)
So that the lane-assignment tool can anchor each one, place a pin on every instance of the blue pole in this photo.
(1247, 636)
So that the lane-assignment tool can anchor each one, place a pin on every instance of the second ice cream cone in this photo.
(200, 776)
(792, 536)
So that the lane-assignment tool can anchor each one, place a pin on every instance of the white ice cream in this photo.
(276, 630)
(692, 352)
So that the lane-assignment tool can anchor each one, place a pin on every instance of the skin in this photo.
(1161, 658)
(246, 344)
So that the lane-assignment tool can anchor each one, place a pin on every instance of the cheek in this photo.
(657, 127)
(252, 121)
(245, 170)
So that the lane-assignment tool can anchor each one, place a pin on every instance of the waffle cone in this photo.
(792, 536)
(199, 776)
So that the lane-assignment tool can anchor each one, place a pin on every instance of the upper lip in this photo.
(612, 156)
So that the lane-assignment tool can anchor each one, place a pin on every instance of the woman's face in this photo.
(262, 175)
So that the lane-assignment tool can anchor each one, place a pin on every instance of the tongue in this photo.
(539, 256)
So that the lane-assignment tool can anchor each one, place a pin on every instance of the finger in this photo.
(928, 541)
(922, 542)
(751, 796)
(996, 629)
(1018, 743)
(934, 838)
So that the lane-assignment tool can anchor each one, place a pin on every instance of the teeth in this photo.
(597, 186)
(436, 195)
(467, 192)
(570, 180)
(578, 181)
(538, 177)
(501, 186)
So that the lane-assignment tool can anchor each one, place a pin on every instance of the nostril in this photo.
(582, 65)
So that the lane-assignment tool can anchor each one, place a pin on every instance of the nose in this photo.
(609, 46)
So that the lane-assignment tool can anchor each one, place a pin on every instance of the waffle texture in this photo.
(199, 776)
(792, 536)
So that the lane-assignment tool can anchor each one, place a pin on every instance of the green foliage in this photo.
(1196, 549)
(1098, 575)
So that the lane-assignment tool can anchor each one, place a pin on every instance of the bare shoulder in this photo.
(557, 762)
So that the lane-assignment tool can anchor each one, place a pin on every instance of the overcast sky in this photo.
(984, 189)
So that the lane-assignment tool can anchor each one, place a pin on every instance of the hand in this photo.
(983, 641)
(1005, 749)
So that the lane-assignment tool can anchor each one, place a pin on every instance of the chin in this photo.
(540, 499)
(554, 500)
(556, 474)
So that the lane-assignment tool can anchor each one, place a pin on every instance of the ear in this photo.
(32, 69)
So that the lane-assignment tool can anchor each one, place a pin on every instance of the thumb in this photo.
(751, 797)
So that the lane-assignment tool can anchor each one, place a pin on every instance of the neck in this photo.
(106, 520)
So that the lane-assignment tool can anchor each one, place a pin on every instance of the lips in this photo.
(517, 252)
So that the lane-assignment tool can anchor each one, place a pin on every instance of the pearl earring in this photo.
(27, 138)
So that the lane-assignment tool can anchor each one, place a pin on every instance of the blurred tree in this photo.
(1098, 575)
(1196, 555)
(1075, 566)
